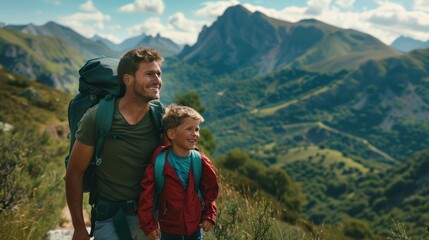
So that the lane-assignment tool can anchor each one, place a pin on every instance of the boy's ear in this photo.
(170, 134)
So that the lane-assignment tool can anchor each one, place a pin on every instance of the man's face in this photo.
(147, 81)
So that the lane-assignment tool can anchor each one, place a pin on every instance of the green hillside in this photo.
(31, 104)
(351, 129)
(46, 59)
(33, 143)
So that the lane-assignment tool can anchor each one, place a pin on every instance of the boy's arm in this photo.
(146, 200)
(209, 189)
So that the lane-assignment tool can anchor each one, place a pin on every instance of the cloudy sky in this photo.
(182, 20)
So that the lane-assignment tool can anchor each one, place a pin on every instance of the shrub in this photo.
(357, 229)
(31, 186)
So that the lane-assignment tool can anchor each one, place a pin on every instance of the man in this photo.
(125, 157)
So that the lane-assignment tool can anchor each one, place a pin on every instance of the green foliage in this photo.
(31, 184)
(27, 102)
(357, 229)
(235, 158)
(207, 141)
(398, 232)
(190, 99)
(248, 217)
(32, 157)
(273, 181)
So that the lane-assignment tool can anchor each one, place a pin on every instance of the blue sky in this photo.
(182, 20)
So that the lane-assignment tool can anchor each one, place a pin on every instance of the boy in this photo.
(182, 214)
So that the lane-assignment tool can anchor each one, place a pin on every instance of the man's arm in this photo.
(80, 158)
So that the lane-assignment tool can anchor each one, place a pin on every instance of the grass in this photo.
(315, 154)
(32, 189)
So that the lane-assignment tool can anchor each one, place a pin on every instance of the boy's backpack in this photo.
(161, 158)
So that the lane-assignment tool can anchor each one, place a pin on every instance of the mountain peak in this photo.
(241, 38)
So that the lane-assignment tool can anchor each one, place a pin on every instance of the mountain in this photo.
(51, 53)
(84, 46)
(240, 39)
(406, 44)
(164, 45)
(42, 58)
(106, 42)
(376, 111)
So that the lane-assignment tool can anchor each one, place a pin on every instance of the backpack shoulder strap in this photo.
(159, 165)
(159, 171)
(157, 110)
(159, 178)
(197, 167)
(103, 123)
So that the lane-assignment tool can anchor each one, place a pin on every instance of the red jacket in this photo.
(179, 212)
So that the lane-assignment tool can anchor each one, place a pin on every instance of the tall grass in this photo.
(31, 185)
(248, 215)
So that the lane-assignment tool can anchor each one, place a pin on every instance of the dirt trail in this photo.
(65, 230)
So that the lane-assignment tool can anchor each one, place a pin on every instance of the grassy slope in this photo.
(34, 151)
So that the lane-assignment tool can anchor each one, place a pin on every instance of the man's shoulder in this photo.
(91, 112)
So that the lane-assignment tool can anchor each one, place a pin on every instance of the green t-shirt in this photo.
(125, 159)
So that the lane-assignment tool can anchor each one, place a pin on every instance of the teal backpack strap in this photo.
(159, 177)
(197, 167)
(159, 171)
(103, 123)
(157, 110)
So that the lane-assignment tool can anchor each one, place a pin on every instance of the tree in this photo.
(190, 99)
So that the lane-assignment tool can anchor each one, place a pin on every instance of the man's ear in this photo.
(128, 79)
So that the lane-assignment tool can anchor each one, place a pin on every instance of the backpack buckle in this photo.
(93, 97)
(98, 160)
(129, 206)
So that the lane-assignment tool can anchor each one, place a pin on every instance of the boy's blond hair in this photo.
(175, 115)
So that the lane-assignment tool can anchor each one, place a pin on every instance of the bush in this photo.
(31, 185)
(357, 229)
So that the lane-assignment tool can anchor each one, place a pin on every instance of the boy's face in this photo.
(185, 137)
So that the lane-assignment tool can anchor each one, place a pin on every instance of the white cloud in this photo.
(179, 29)
(88, 6)
(215, 9)
(86, 24)
(156, 6)
(421, 5)
(317, 7)
(345, 3)
(396, 21)
(179, 22)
